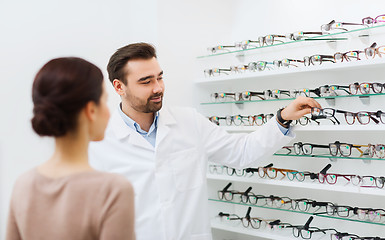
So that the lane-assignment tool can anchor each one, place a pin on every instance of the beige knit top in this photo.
(87, 205)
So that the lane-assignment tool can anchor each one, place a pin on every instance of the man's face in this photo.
(145, 86)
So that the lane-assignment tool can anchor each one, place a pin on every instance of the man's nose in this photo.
(157, 88)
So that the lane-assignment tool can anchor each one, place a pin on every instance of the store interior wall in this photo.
(34, 32)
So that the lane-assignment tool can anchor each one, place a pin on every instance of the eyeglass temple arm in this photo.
(224, 69)
(316, 91)
(252, 170)
(328, 229)
(343, 88)
(269, 165)
(325, 169)
(257, 94)
(247, 191)
(353, 23)
(320, 33)
(373, 45)
(248, 212)
(226, 46)
(360, 146)
(288, 148)
(222, 214)
(227, 187)
(306, 226)
(276, 222)
(311, 175)
(374, 120)
(296, 60)
(319, 146)
(319, 204)
(315, 121)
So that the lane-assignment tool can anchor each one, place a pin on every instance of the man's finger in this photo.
(312, 103)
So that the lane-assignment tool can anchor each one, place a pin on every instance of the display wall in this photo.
(34, 32)
(343, 193)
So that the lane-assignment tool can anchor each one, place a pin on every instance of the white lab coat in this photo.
(170, 179)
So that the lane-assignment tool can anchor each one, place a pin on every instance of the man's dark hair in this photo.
(124, 54)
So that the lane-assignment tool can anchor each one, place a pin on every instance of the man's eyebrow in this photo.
(149, 76)
(145, 78)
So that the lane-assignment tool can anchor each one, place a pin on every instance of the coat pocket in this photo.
(187, 169)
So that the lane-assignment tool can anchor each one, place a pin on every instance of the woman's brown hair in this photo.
(61, 88)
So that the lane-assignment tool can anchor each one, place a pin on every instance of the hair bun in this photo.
(49, 120)
(61, 89)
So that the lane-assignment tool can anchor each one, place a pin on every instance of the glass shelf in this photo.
(286, 99)
(291, 42)
(307, 213)
(327, 156)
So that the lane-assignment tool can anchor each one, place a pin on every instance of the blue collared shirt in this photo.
(284, 130)
(150, 136)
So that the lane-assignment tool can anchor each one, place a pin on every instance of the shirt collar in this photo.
(134, 125)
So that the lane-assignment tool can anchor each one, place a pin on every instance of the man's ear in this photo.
(90, 111)
(118, 86)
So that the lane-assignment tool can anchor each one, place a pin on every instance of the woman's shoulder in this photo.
(26, 177)
(109, 180)
(91, 179)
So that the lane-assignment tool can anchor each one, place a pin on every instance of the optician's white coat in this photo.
(170, 180)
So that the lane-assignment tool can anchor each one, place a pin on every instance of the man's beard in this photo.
(148, 106)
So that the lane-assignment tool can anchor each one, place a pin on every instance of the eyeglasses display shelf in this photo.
(328, 37)
(357, 68)
(253, 69)
(347, 128)
(293, 211)
(291, 99)
(348, 188)
(250, 232)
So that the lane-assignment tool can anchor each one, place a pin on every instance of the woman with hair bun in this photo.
(64, 198)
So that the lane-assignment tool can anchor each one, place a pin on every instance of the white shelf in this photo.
(357, 127)
(296, 184)
(250, 232)
(361, 67)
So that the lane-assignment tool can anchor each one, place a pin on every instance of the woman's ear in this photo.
(118, 86)
(90, 111)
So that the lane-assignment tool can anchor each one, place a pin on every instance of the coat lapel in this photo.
(165, 120)
(124, 133)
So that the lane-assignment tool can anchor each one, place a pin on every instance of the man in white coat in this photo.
(164, 152)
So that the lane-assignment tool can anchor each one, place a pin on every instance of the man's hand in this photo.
(299, 107)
